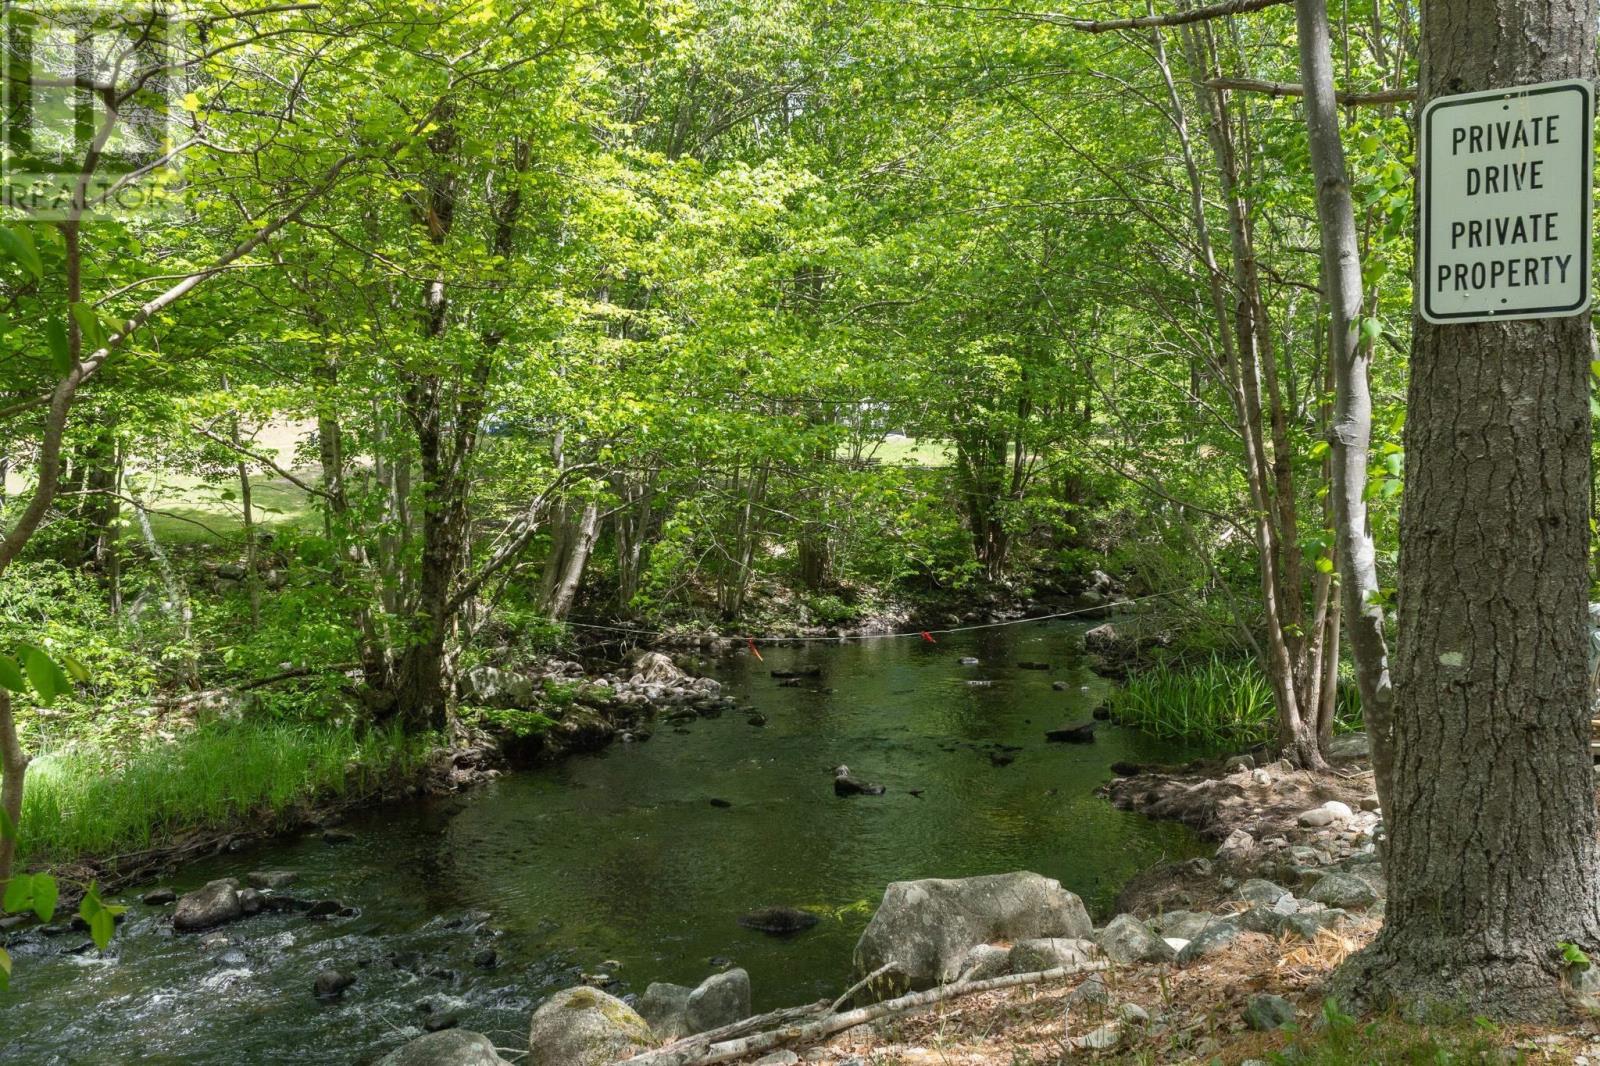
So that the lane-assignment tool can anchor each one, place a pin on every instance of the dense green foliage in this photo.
(1222, 703)
(686, 313)
(252, 776)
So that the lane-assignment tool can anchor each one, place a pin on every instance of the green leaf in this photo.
(11, 674)
(18, 244)
(18, 895)
(89, 324)
(1324, 565)
(60, 352)
(5, 970)
(77, 670)
(1371, 329)
(101, 919)
(47, 678)
(45, 894)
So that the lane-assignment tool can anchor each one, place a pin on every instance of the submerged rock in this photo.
(585, 1027)
(923, 930)
(1072, 734)
(450, 1047)
(271, 879)
(251, 901)
(215, 904)
(331, 983)
(779, 921)
(157, 897)
(847, 784)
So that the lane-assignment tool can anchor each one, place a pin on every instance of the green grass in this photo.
(192, 511)
(910, 451)
(1220, 703)
(1340, 1040)
(84, 802)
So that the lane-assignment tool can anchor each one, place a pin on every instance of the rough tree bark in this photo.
(1492, 857)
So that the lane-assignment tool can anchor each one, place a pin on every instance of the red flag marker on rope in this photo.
(752, 642)
(928, 637)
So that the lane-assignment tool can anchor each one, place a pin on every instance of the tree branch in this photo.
(699, 1051)
(263, 460)
(1289, 88)
(1141, 22)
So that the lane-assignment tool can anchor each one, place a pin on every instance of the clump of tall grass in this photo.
(81, 801)
(1219, 703)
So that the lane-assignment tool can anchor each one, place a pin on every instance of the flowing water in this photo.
(620, 858)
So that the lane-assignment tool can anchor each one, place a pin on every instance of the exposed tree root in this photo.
(1441, 979)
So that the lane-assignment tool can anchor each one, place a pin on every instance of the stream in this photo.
(620, 857)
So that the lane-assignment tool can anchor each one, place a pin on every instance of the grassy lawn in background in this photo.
(188, 510)
(896, 450)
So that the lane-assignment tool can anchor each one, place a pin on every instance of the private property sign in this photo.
(1506, 203)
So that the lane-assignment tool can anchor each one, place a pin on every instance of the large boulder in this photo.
(923, 929)
(664, 1006)
(488, 686)
(653, 668)
(721, 999)
(585, 1027)
(1106, 640)
(451, 1047)
(1126, 939)
(215, 904)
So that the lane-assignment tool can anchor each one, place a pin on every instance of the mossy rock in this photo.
(585, 1027)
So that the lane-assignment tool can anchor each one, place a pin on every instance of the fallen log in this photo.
(709, 1049)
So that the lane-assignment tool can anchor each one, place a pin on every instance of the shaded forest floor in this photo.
(1196, 1015)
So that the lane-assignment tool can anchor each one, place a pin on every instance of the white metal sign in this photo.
(1506, 203)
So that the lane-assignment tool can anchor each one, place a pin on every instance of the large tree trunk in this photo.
(13, 767)
(579, 545)
(1492, 859)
